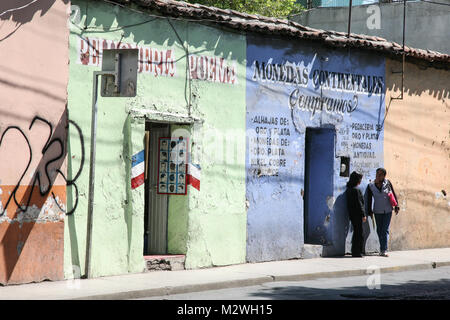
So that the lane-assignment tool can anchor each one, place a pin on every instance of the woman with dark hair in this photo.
(357, 215)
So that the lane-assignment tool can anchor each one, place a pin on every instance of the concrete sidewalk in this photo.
(160, 283)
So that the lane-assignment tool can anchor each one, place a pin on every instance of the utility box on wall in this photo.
(124, 62)
(345, 167)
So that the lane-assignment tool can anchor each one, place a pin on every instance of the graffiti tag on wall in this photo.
(44, 173)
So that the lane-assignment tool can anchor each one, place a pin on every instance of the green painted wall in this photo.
(217, 219)
(208, 226)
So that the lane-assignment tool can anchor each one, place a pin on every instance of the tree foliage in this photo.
(270, 8)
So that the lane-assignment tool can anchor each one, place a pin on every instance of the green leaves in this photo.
(270, 8)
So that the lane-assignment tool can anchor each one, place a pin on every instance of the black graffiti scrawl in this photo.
(43, 171)
(71, 182)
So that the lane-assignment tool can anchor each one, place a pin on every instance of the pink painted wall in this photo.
(33, 83)
(417, 156)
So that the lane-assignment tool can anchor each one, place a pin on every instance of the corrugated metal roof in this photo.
(279, 27)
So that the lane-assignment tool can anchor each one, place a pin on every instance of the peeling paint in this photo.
(20, 245)
(403, 196)
(440, 195)
(4, 217)
(48, 213)
(330, 202)
(326, 223)
(32, 173)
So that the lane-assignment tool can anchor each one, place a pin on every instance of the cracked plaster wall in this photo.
(417, 156)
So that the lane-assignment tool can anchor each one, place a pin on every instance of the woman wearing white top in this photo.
(382, 207)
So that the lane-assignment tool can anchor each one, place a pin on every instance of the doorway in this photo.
(319, 162)
(156, 205)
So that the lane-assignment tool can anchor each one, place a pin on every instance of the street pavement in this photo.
(407, 285)
(163, 283)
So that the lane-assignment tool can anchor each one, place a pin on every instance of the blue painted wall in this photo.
(292, 86)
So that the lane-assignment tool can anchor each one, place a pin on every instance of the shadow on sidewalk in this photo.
(412, 290)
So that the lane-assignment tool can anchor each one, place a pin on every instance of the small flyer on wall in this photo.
(172, 165)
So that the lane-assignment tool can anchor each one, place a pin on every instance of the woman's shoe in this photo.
(384, 254)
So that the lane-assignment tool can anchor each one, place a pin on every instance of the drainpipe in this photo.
(92, 168)
(349, 18)
(403, 55)
(400, 97)
(403, 58)
(119, 73)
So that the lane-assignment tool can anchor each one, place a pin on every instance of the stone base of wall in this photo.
(164, 263)
(311, 251)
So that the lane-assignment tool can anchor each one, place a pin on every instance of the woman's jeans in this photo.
(383, 221)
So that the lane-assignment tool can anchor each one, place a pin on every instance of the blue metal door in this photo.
(319, 160)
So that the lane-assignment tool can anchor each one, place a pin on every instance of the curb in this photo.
(163, 291)
(442, 264)
(351, 273)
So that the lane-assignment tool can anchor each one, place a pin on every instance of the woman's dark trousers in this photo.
(357, 239)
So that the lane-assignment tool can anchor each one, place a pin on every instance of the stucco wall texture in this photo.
(33, 84)
(417, 155)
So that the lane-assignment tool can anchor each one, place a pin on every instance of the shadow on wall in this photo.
(29, 198)
(340, 225)
(168, 32)
(343, 232)
(164, 31)
(21, 12)
(128, 207)
(419, 133)
(417, 80)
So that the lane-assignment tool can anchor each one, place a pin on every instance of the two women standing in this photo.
(384, 199)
